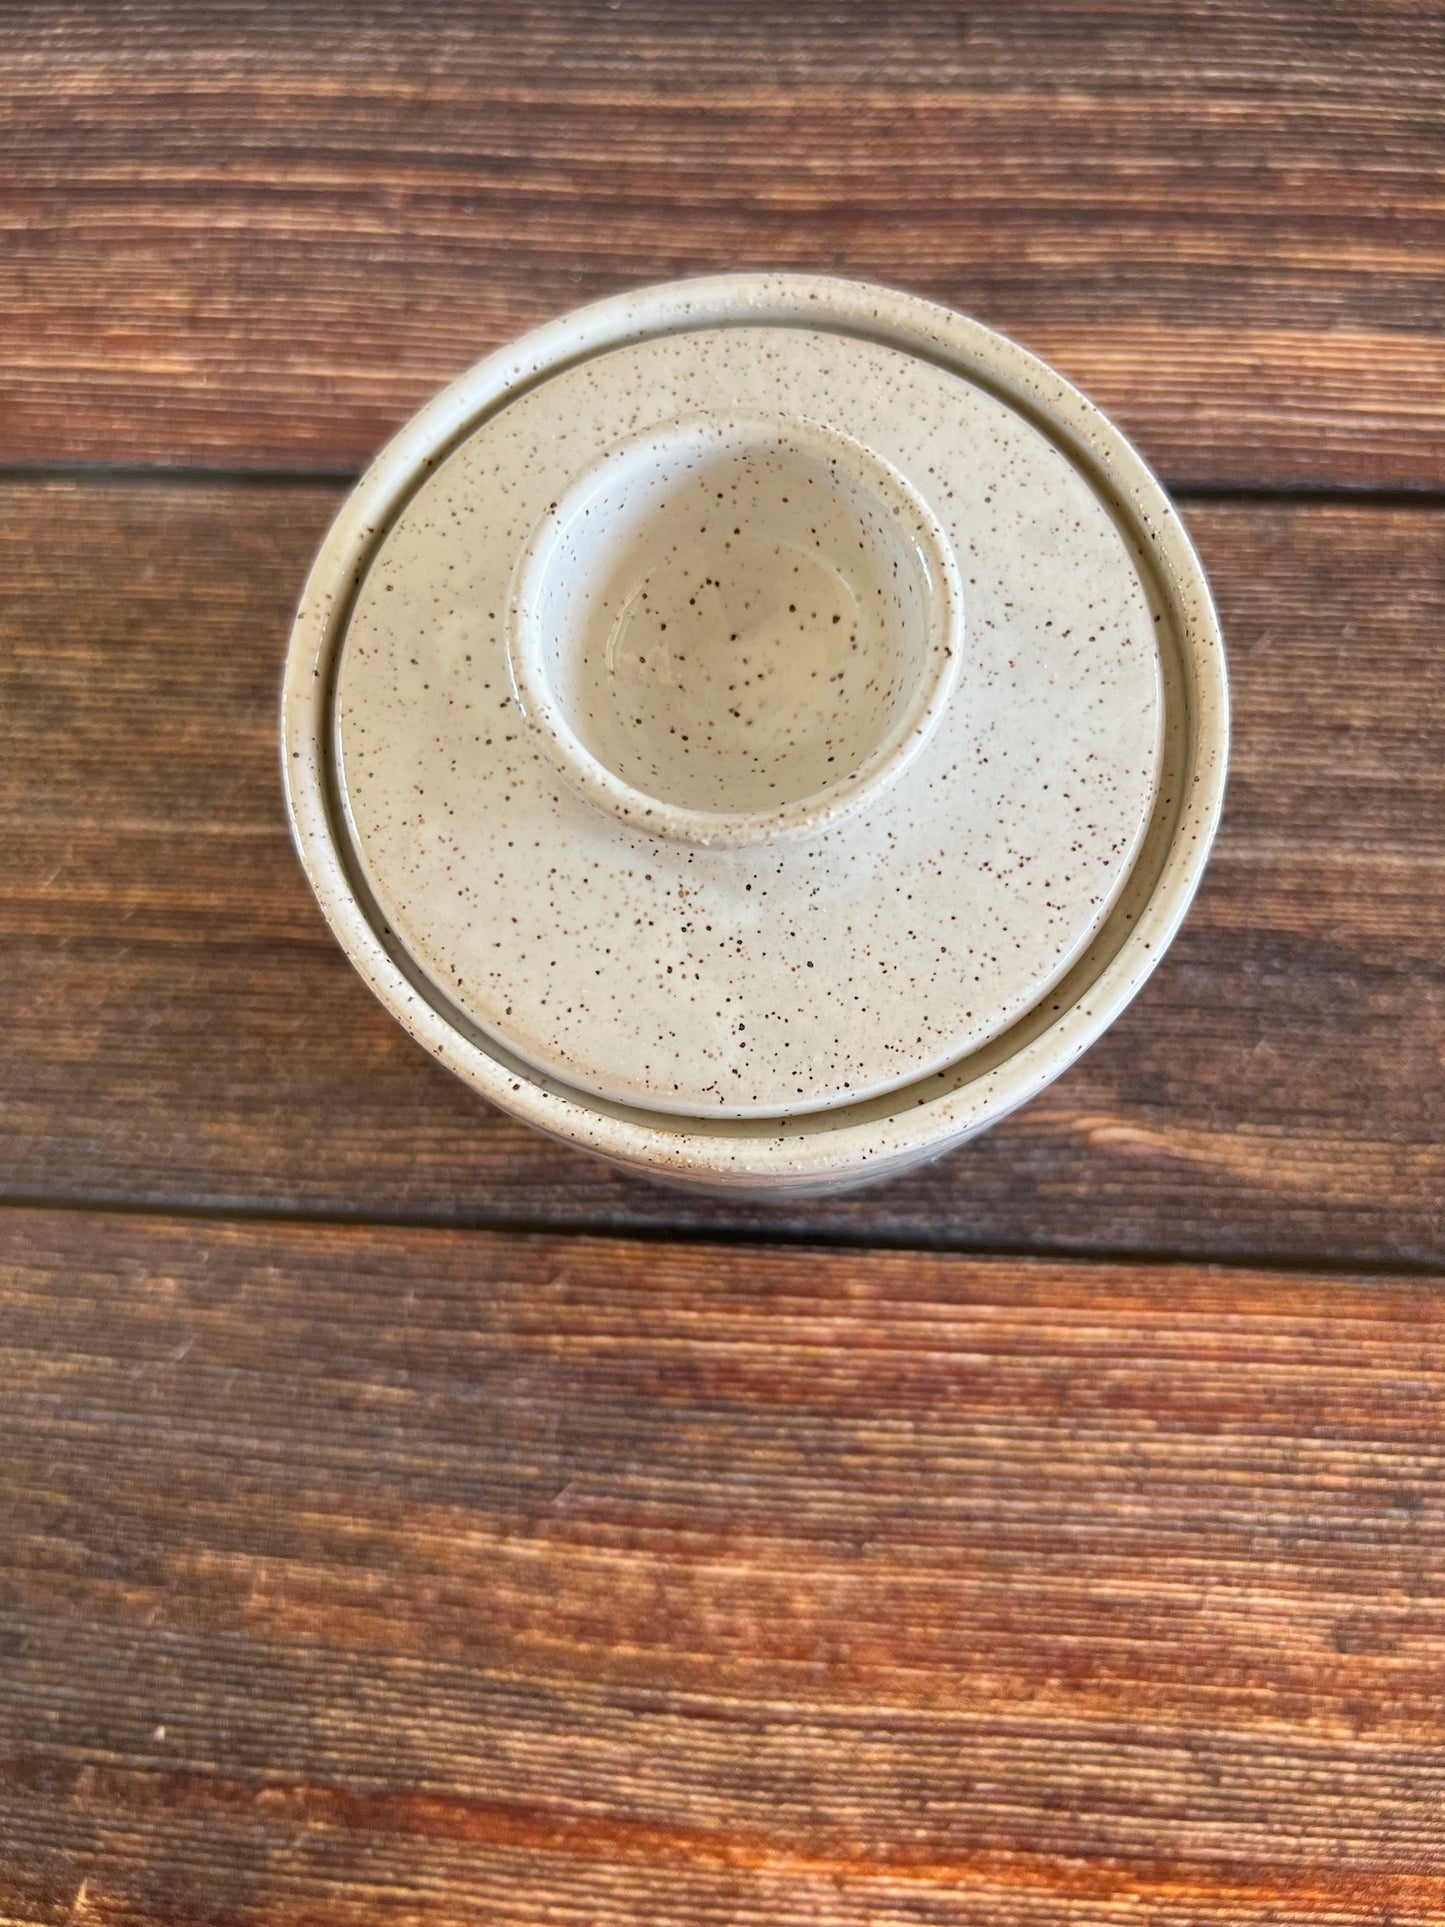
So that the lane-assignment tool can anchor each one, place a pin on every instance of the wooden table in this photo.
(402, 1519)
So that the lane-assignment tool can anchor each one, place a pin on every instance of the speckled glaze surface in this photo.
(734, 628)
(759, 729)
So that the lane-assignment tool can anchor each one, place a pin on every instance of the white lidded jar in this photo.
(760, 729)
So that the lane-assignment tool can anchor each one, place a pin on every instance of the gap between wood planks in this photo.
(130, 475)
(756, 1237)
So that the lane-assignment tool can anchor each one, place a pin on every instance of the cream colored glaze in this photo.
(733, 973)
(731, 627)
(842, 1141)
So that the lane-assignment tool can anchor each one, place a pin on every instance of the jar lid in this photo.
(756, 900)
(749, 720)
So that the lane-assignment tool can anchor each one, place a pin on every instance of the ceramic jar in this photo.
(760, 729)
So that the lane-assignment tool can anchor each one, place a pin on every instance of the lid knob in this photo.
(734, 629)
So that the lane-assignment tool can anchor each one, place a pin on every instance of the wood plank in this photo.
(262, 235)
(180, 1027)
(356, 1574)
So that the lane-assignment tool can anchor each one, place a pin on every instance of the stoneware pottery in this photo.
(758, 729)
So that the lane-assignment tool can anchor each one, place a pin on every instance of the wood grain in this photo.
(356, 1574)
(251, 235)
(364, 1574)
(181, 1029)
